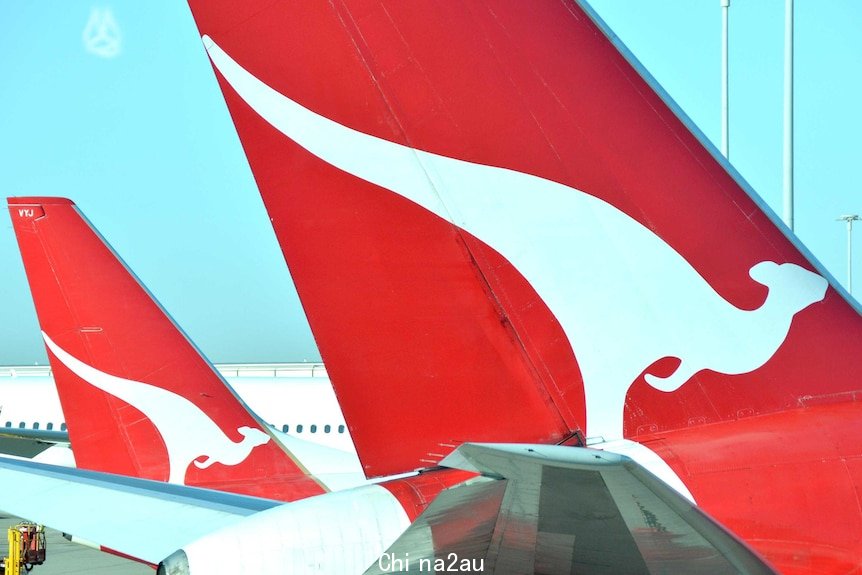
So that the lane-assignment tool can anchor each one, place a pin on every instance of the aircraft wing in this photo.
(146, 520)
(534, 508)
(552, 509)
(29, 442)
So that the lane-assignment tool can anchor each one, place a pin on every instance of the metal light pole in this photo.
(850, 218)
(725, 101)
(788, 113)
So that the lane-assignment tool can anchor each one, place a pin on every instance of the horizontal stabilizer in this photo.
(556, 510)
(30, 442)
(146, 520)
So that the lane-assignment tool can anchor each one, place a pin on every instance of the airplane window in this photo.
(299, 428)
(340, 429)
(36, 425)
(313, 429)
(50, 426)
(62, 427)
(22, 425)
(327, 428)
(285, 428)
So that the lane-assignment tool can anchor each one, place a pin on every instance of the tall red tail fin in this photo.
(139, 398)
(496, 211)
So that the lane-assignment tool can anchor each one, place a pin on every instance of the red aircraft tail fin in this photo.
(138, 397)
(501, 231)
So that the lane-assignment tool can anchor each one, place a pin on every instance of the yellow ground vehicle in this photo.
(26, 548)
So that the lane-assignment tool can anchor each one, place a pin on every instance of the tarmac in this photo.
(66, 558)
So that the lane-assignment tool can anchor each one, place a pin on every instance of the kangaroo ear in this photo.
(764, 272)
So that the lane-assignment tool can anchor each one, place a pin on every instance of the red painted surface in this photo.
(93, 307)
(431, 338)
(788, 482)
(125, 556)
(415, 493)
(374, 272)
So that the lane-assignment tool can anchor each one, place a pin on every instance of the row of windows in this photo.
(49, 426)
(312, 428)
(285, 428)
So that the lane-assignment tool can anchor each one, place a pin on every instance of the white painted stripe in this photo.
(624, 297)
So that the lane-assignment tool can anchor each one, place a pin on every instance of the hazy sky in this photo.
(116, 106)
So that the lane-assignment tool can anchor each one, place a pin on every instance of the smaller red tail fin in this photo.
(138, 396)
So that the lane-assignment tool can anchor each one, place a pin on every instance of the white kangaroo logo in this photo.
(760, 332)
(623, 296)
(187, 431)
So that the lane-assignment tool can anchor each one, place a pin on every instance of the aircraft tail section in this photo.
(139, 398)
(409, 356)
(501, 230)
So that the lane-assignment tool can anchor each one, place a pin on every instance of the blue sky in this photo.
(142, 141)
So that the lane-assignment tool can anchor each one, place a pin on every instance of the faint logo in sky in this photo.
(102, 34)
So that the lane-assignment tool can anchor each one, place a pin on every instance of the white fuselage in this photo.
(296, 399)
